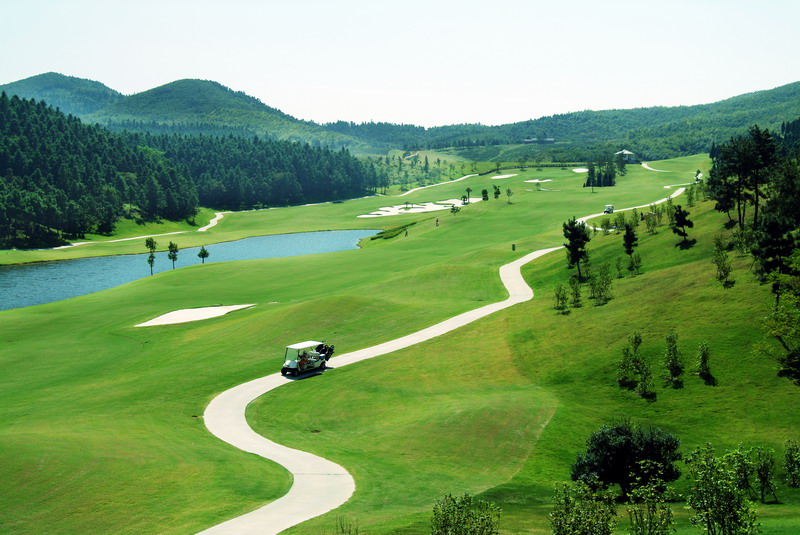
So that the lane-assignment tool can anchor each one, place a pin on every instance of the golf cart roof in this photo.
(304, 345)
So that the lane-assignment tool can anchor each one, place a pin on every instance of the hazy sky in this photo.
(428, 62)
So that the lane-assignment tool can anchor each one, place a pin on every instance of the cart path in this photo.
(321, 485)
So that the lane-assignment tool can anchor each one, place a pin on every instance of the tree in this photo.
(649, 510)
(151, 245)
(559, 297)
(575, 291)
(614, 455)
(721, 261)
(203, 254)
(764, 468)
(682, 222)
(791, 462)
(469, 190)
(629, 239)
(496, 191)
(173, 253)
(672, 361)
(781, 327)
(703, 366)
(464, 516)
(454, 209)
(635, 264)
(485, 194)
(509, 193)
(721, 508)
(577, 236)
(580, 510)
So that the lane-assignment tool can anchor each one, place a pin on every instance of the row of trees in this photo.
(757, 177)
(603, 172)
(172, 253)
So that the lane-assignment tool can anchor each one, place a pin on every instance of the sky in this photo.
(429, 63)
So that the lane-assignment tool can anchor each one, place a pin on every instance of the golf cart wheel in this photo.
(323, 365)
(283, 371)
(295, 372)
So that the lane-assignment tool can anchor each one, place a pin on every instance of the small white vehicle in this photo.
(305, 356)
(609, 209)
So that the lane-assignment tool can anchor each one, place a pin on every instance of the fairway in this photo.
(498, 407)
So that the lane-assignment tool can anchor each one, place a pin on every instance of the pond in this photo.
(44, 282)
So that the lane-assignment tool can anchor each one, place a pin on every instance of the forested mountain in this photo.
(657, 132)
(77, 96)
(205, 107)
(62, 178)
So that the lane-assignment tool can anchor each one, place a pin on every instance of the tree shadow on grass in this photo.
(708, 379)
(685, 244)
(728, 284)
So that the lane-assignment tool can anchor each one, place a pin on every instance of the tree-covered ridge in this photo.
(238, 173)
(201, 102)
(655, 132)
(62, 179)
(73, 95)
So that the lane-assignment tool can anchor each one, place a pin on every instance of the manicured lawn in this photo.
(101, 418)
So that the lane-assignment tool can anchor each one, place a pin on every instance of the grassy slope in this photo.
(86, 399)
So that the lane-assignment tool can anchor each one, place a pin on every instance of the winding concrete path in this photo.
(321, 485)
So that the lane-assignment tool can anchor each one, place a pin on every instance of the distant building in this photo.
(627, 156)
(539, 140)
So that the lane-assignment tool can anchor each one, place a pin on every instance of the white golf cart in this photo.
(305, 356)
(609, 209)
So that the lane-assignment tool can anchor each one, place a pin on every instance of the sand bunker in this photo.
(539, 181)
(191, 314)
(417, 208)
(498, 177)
(580, 170)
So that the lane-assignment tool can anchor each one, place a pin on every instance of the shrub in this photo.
(464, 516)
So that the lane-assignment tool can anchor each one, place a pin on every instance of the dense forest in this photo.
(62, 179)
(239, 173)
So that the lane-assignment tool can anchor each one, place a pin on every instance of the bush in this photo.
(579, 510)
(616, 454)
(464, 516)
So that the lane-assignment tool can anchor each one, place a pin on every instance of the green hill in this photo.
(77, 96)
(655, 132)
(206, 105)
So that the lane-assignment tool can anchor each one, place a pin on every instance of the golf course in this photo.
(102, 423)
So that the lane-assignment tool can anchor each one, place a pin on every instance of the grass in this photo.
(101, 417)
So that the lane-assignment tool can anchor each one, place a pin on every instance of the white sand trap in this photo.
(580, 170)
(416, 208)
(191, 314)
(498, 177)
(539, 181)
